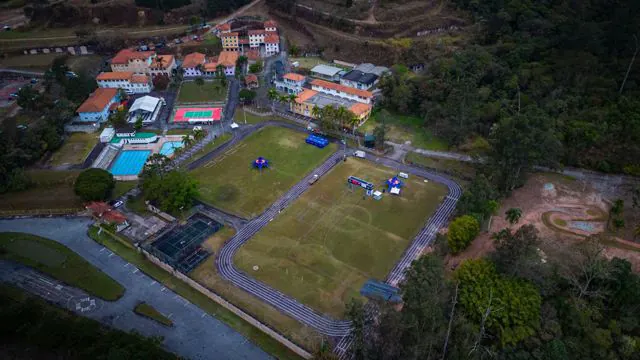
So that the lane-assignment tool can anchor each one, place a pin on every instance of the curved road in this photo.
(288, 305)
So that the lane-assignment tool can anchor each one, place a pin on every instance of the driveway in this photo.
(195, 334)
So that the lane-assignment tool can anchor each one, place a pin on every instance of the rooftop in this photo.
(231, 34)
(271, 38)
(294, 77)
(270, 23)
(256, 32)
(360, 77)
(97, 101)
(326, 70)
(140, 79)
(321, 100)
(371, 69)
(194, 59)
(114, 75)
(342, 88)
(116, 139)
(224, 27)
(164, 63)
(124, 55)
(228, 58)
(360, 108)
(145, 103)
(251, 78)
(305, 95)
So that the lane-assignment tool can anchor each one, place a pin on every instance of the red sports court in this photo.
(197, 115)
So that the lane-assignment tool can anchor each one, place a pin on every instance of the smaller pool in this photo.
(169, 147)
(130, 162)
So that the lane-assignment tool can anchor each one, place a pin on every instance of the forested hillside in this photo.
(546, 82)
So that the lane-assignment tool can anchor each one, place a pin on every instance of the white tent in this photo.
(147, 106)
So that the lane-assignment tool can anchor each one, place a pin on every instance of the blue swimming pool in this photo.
(168, 147)
(130, 162)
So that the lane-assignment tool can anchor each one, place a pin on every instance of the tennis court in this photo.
(194, 115)
(180, 246)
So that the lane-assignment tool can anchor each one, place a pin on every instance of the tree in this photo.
(173, 192)
(247, 95)
(78, 88)
(118, 118)
(479, 199)
(199, 81)
(513, 215)
(507, 308)
(462, 231)
(188, 141)
(94, 185)
(380, 133)
(161, 82)
(29, 98)
(273, 96)
(139, 122)
(256, 67)
(156, 165)
(584, 266)
(198, 134)
(241, 60)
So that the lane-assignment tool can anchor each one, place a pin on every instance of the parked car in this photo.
(313, 179)
(359, 153)
(117, 204)
(34, 81)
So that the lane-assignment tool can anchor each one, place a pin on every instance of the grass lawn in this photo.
(179, 132)
(253, 334)
(122, 187)
(190, 92)
(40, 62)
(309, 62)
(51, 190)
(322, 248)
(209, 147)
(460, 169)
(88, 63)
(231, 182)
(75, 149)
(238, 117)
(401, 128)
(146, 310)
(59, 262)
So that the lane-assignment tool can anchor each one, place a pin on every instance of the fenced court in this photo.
(180, 246)
(197, 115)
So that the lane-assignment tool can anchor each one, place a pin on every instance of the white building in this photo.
(147, 107)
(326, 72)
(256, 38)
(107, 134)
(291, 83)
(163, 65)
(271, 26)
(192, 65)
(134, 61)
(128, 81)
(345, 92)
(271, 44)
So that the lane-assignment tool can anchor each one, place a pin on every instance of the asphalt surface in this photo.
(195, 334)
(320, 322)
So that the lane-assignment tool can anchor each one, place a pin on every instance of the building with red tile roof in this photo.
(363, 96)
(128, 81)
(192, 63)
(96, 107)
(131, 60)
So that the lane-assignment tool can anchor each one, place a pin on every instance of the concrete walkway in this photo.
(195, 334)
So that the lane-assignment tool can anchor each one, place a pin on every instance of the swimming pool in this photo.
(168, 147)
(130, 162)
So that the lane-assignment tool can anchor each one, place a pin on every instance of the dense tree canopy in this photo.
(462, 231)
(172, 190)
(94, 184)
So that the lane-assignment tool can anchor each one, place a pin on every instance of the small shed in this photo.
(107, 134)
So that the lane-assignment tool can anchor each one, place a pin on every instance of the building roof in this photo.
(231, 34)
(228, 58)
(360, 77)
(224, 27)
(97, 101)
(294, 77)
(326, 70)
(124, 55)
(114, 75)
(256, 32)
(371, 69)
(360, 108)
(140, 79)
(271, 38)
(270, 24)
(342, 88)
(253, 54)
(98, 207)
(250, 78)
(167, 60)
(145, 103)
(194, 59)
(211, 65)
(114, 216)
(305, 95)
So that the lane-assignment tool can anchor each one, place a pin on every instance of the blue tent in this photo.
(260, 163)
(380, 290)
(316, 140)
(394, 182)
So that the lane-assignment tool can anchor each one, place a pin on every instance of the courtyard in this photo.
(210, 91)
(332, 239)
(231, 183)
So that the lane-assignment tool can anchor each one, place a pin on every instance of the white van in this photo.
(359, 153)
(403, 175)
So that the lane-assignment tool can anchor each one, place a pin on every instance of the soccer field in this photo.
(331, 240)
(231, 183)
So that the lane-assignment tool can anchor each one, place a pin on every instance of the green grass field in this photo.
(75, 149)
(401, 128)
(190, 92)
(230, 182)
(59, 262)
(51, 190)
(330, 241)
(146, 310)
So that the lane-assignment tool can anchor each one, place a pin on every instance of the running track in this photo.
(320, 322)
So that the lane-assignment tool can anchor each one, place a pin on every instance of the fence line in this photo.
(229, 306)
(67, 211)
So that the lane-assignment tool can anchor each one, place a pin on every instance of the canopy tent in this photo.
(260, 163)
(394, 185)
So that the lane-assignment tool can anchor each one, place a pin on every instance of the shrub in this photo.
(462, 231)
(94, 185)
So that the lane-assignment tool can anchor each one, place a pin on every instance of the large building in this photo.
(307, 100)
(271, 44)
(138, 62)
(126, 80)
(231, 41)
(326, 72)
(345, 92)
(291, 83)
(96, 107)
(193, 64)
(245, 40)
(163, 65)
(228, 60)
(147, 108)
(256, 38)
(359, 80)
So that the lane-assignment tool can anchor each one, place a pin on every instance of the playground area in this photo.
(232, 183)
(180, 246)
(196, 115)
(334, 238)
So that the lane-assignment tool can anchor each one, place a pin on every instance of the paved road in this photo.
(22, 72)
(290, 306)
(195, 334)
